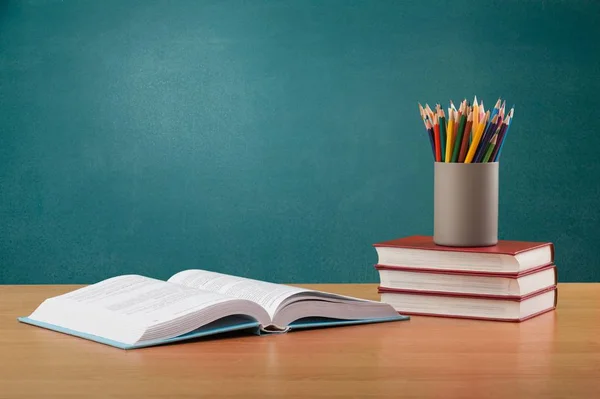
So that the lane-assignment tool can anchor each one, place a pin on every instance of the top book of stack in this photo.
(506, 257)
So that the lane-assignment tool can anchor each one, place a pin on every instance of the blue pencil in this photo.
(510, 117)
(431, 140)
(496, 109)
(430, 133)
(495, 130)
(490, 129)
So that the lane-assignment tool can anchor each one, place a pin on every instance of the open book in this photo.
(133, 311)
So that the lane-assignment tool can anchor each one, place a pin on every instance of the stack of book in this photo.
(511, 281)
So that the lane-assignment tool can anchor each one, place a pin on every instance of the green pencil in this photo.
(459, 136)
(490, 148)
(443, 133)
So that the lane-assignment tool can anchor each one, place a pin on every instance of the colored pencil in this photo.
(476, 139)
(496, 108)
(459, 138)
(457, 126)
(428, 127)
(442, 124)
(468, 133)
(423, 114)
(501, 144)
(436, 136)
(496, 131)
(500, 136)
(449, 133)
(429, 111)
(430, 135)
(475, 112)
(489, 131)
(490, 148)
(466, 138)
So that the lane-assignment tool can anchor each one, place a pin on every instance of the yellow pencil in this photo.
(449, 139)
(476, 138)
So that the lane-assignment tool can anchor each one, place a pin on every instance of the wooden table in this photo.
(556, 355)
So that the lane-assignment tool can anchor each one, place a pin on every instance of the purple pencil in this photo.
(500, 138)
(490, 129)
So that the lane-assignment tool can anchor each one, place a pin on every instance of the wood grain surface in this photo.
(556, 355)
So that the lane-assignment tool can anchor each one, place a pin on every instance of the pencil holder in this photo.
(466, 204)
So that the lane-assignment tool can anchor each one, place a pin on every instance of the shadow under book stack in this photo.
(510, 281)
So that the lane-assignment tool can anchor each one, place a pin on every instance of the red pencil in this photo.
(436, 138)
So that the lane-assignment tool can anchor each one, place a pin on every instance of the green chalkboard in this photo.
(279, 139)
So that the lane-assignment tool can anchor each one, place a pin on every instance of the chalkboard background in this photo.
(279, 139)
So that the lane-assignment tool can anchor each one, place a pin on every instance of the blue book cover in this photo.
(132, 311)
(219, 327)
(319, 322)
(215, 329)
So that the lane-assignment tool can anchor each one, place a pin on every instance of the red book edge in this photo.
(384, 290)
(502, 248)
(513, 298)
(522, 273)
(488, 318)
(480, 318)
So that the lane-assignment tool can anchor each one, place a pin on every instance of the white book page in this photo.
(124, 308)
(267, 295)
(144, 299)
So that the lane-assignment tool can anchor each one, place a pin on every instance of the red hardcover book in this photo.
(506, 257)
(404, 279)
(476, 307)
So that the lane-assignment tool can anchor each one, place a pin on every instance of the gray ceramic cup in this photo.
(466, 204)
